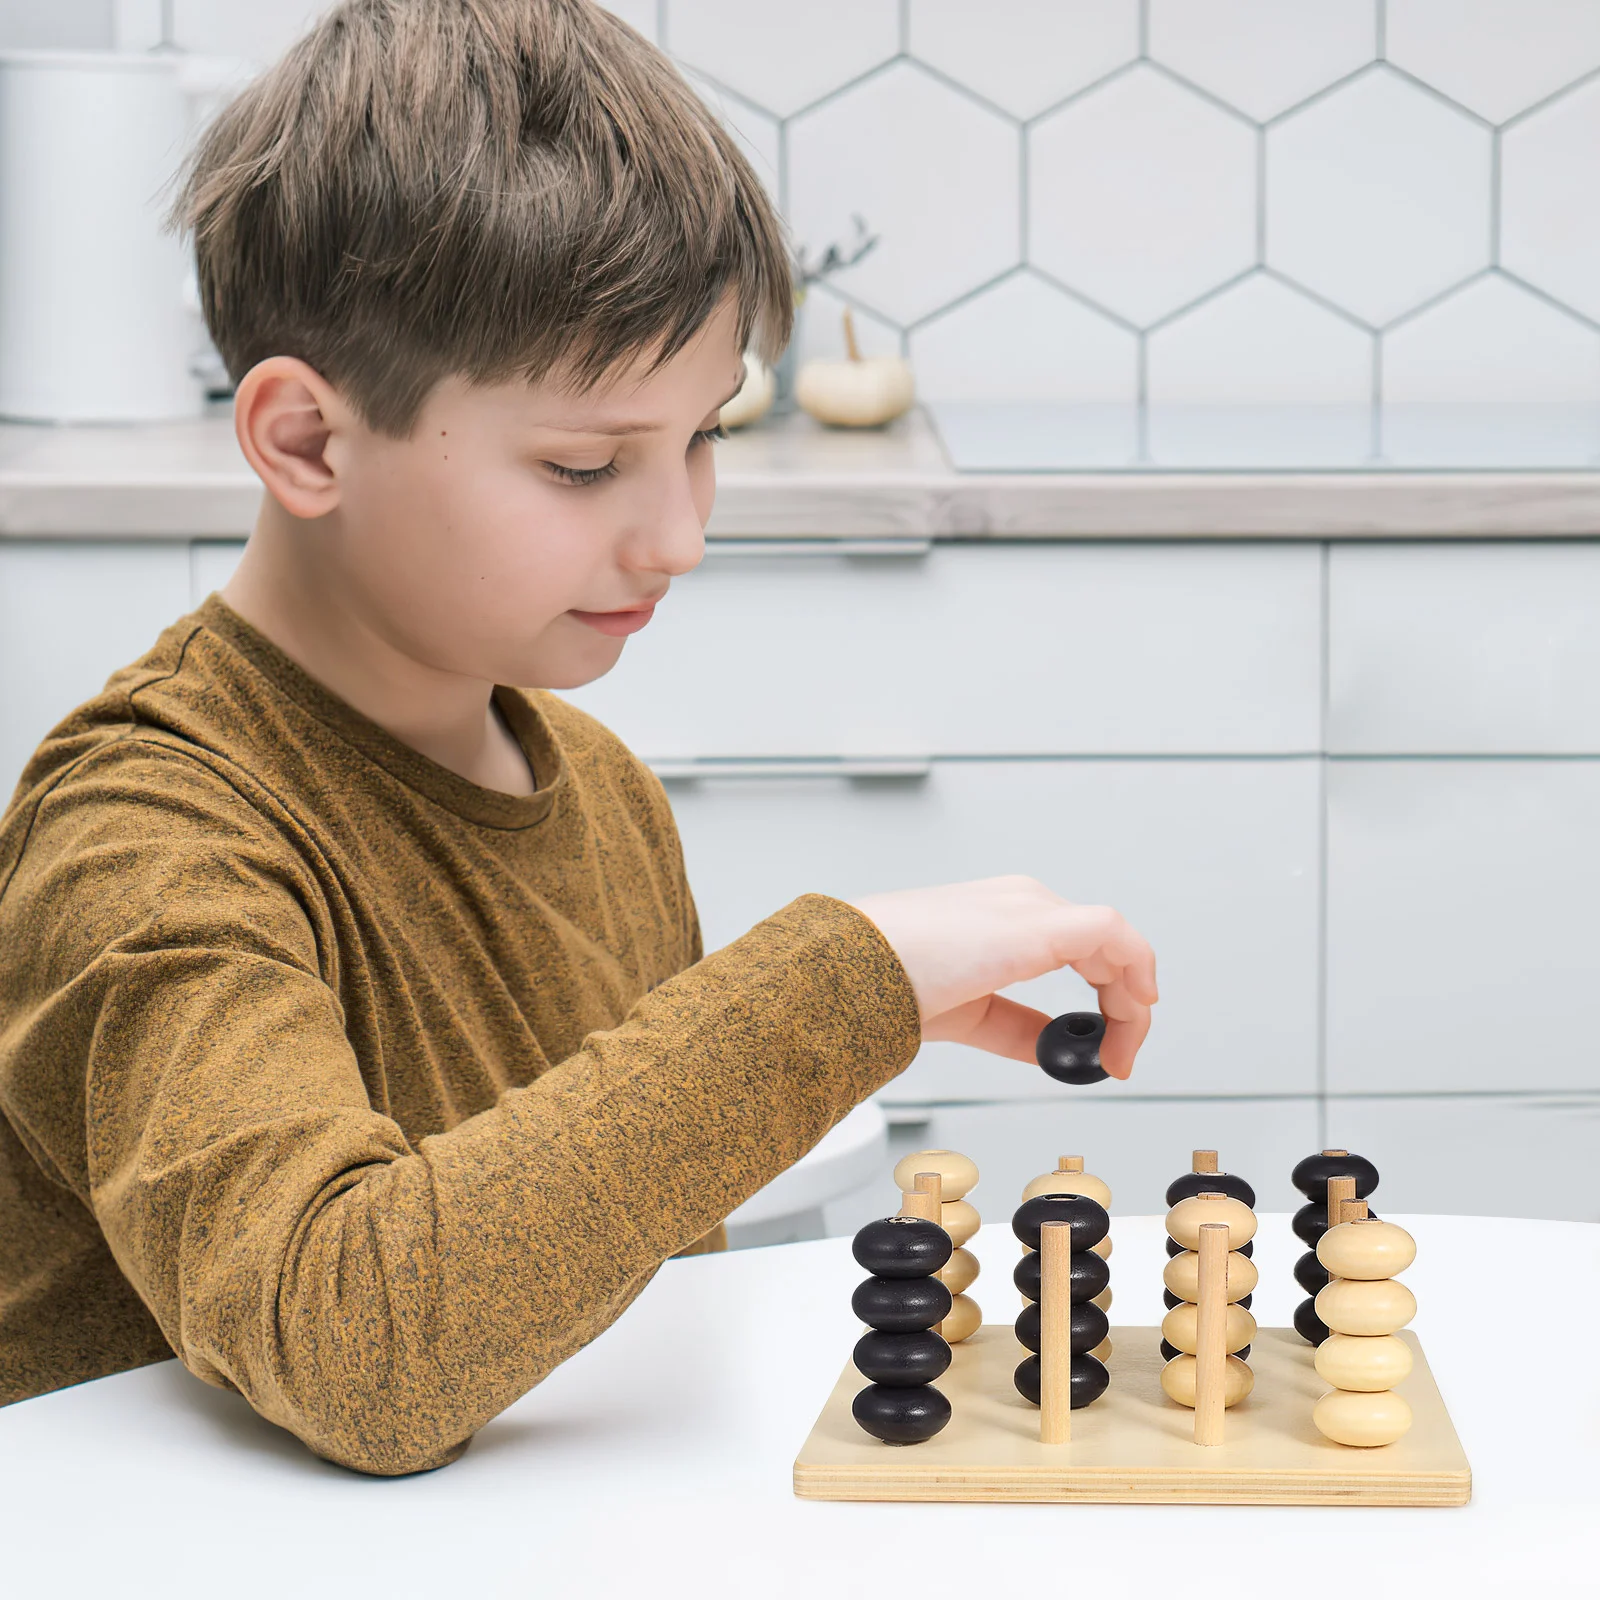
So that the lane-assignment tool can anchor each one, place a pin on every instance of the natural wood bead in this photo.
(960, 1220)
(1349, 1417)
(956, 1171)
(1182, 1275)
(1103, 1249)
(1068, 1183)
(1367, 1364)
(1102, 1351)
(1178, 1380)
(1184, 1220)
(960, 1272)
(963, 1319)
(1366, 1250)
(1102, 1300)
(1366, 1307)
(1180, 1328)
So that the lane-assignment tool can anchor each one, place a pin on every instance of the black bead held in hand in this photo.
(901, 1303)
(1312, 1220)
(1068, 1047)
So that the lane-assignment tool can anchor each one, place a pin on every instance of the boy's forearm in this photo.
(417, 1297)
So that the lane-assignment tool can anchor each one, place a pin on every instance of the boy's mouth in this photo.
(617, 624)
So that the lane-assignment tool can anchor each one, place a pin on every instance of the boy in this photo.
(355, 1040)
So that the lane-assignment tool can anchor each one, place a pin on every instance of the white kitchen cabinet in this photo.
(980, 649)
(1477, 1155)
(1464, 649)
(1462, 936)
(71, 613)
(1215, 861)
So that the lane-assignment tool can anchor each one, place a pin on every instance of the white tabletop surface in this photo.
(657, 1463)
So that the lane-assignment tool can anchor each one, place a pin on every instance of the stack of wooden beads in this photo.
(901, 1303)
(1070, 1178)
(1364, 1309)
(940, 1181)
(1203, 1178)
(1060, 1277)
(1206, 1331)
(1319, 1213)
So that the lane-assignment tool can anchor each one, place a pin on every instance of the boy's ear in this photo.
(285, 415)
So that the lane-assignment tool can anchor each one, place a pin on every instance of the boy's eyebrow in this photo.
(615, 429)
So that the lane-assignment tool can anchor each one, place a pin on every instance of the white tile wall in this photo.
(1378, 196)
(1263, 56)
(1142, 195)
(1130, 171)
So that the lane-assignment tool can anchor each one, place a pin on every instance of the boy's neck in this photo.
(284, 593)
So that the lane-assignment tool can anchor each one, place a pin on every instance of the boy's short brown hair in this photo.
(485, 188)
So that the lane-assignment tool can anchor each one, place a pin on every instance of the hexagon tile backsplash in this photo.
(1258, 202)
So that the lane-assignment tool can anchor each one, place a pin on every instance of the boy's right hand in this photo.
(962, 942)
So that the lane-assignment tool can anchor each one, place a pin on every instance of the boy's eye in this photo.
(580, 476)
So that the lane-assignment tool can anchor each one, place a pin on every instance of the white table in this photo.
(657, 1462)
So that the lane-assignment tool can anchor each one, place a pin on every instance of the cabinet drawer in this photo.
(979, 650)
(1462, 937)
(1464, 649)
(1478, 1155)
(71, 613)
(1215, 861)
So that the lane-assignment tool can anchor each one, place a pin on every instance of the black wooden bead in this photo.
(902, 1247)
(900, 1416)
(1310, 1273)
(1089, 1327)
(1089, 1275)
(1312, 1174)
(1068, 1048)
(1088, 1218)
(1308, 1324)
(1193, 1183)
(1089, 1380)
(1247, 1249)
(1244, 1304)
(1170, 1300)
(901, 1359)
(1311, 1222)
(1168, 1351)
(901, 1305)
(1243, 1355)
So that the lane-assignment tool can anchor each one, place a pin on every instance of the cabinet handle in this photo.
(696, 769)
(818, 547)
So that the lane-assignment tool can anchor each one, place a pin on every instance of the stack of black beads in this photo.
(901, 1303)
(1203, 1178)
(1089, 1277)
(1311, 1178)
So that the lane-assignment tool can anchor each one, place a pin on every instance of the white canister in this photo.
(96, 320)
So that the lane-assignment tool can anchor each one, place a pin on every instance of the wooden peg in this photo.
(1352, 1210)
(1336, 1152)
(1339, 1190)
(1204, 1161)
(1055, 1333)
(928, 1197)
(1211, 1338)
(1069, 1163)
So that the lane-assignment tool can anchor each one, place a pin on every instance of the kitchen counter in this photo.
(792, 479)
(658, 1461)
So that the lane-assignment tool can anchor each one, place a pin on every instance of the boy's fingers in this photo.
(1121, 1044)
(1002, 1027)
(1099, 944)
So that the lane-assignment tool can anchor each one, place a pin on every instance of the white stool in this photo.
(789, 1209)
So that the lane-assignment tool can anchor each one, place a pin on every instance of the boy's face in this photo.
(522, 532)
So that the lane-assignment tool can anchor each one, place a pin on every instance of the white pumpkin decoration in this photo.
(754, 399)
(858, 392)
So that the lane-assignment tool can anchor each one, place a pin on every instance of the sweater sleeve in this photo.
(383, 1300)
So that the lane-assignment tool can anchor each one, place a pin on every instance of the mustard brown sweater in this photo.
(371, 1093)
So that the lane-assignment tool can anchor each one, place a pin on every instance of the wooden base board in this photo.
(1135, 1446)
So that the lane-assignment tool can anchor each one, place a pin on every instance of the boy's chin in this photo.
(572, 669)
